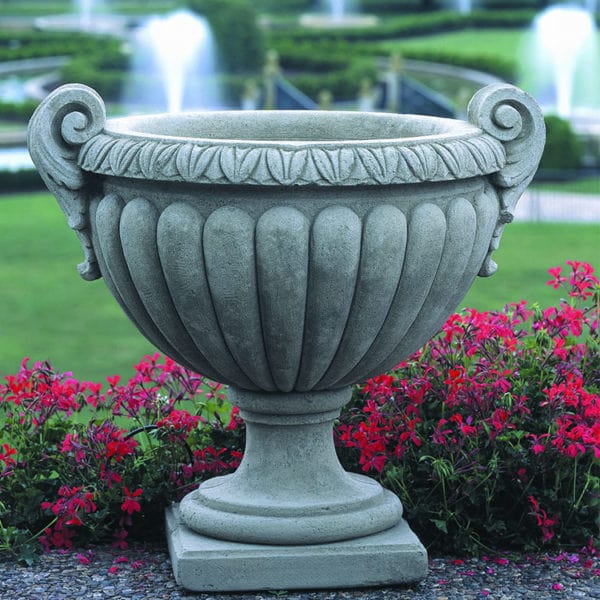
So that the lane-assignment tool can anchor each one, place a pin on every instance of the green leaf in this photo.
(441, 525)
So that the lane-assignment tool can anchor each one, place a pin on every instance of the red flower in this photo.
(130, 504)
(557, 280)
(5, 456)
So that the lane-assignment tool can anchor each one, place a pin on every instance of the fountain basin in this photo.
(288, 254)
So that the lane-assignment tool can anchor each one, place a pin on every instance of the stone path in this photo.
(144, 573)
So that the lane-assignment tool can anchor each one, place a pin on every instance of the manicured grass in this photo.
(47, 311)
(469, 42)
(513, 45)
(526, 252)
(589, 185)
(37, 8)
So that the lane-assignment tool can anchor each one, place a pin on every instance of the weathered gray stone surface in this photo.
(203, 563)
(289, 254)
(290, 487)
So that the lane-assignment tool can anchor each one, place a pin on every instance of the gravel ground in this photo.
(144, 572)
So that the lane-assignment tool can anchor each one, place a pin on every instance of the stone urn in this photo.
(288, 255)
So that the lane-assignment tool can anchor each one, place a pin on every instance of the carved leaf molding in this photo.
(68, 143)
(109, 154)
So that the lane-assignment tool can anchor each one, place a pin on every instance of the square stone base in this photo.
(205, 564)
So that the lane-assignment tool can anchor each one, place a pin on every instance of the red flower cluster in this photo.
(494, 422)
(494, 392)
(71, 505)
(544, 522)
(113, 473)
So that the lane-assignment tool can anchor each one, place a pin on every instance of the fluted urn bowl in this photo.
(289, 255)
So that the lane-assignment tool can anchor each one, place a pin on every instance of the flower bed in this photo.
(490, 434)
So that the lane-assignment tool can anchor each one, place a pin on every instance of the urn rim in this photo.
(266, 148)
(291, 129)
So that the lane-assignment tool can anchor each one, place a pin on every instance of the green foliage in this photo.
(411, 25)
(237, 35)
(35, 8)
(381, 7)
(12, 181)
(343, 84)
(489, 433)
(17, 111)
(19, 45)
(333, 65)
(283, 6)
(322, 50)
(74, 460)
(502, 66)
(563, 149)
(104, 69)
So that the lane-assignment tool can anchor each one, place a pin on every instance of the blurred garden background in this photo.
(415, 56)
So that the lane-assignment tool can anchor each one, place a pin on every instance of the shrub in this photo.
(490, 434)
(563, 148)
(21, 180)
(238, 38)
(410, 25)
(342, 84)
(18, 111)
(77, 463)
(18, 45)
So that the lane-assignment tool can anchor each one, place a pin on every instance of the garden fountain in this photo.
(464, 6)
(565, 74)
(288, 254)
(176, 55)
(338, 13)
(86, 10)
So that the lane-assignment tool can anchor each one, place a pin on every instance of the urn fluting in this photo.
(282, 251)
(289, 255)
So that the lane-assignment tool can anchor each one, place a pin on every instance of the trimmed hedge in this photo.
(343, 84)
(20, 181)
(237, 35)
(20, 111)
(389, 6)
(412, 25)
(20, 45)
(320, 56)
(106, 71)
(563, 148)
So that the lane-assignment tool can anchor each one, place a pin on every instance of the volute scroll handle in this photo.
(514, 118)
(66, 119)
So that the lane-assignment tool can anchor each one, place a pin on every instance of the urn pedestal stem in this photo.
(290, 487)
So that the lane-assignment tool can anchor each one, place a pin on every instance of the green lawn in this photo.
(515, 45)
(526, 252)
(61, 7)
(468, 42)
(47, 311)
(588, 185)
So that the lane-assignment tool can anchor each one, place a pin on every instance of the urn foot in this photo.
(205, 564)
